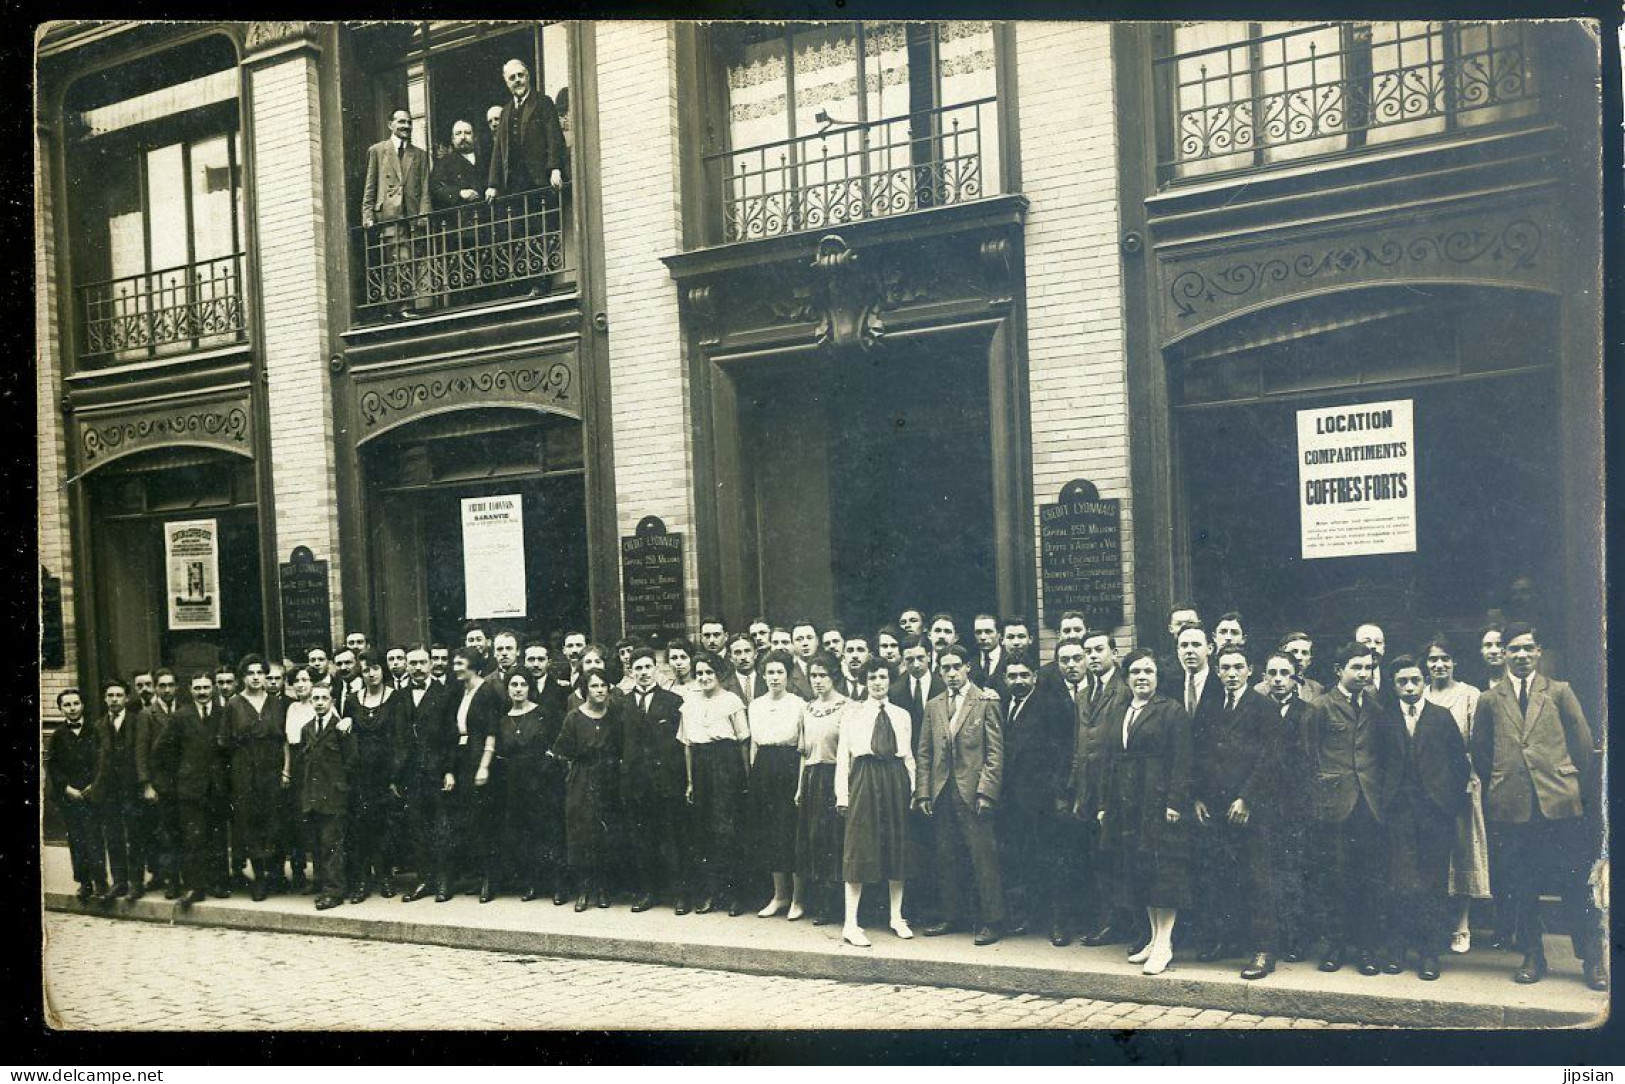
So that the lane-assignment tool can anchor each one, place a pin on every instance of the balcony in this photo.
(855, 172)
(1331, 88)
(477, 254)
(138, 317)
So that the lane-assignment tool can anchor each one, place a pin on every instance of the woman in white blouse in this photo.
(715, 734)
(1470, 858)
(775, 769)
(874, 779)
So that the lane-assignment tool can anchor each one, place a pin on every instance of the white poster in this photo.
(494, 555)
(192, 560)
(1357, 479)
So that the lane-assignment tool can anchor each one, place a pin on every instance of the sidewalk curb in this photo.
(1260, 999)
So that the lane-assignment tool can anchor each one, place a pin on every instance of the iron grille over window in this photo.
(195, 305)
(1243, 95)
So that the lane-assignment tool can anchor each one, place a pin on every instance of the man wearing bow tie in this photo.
(191, 744)
(70, 763)
(395, 193)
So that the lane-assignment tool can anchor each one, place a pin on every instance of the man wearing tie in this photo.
(854, 657)
(1343, 752)
(959, 766)
(529, 153)
(744, 682)
(653, 784)
(155, 776)
(1035, 830)
(116, 794)
(1289, 832)
(325, 779)
(191, 744)
(420, 754)
(396, 189)
(989, 663)
(70, 766)
(1532, 747)
(1100, 704)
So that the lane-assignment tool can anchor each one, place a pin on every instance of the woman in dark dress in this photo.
(1148, 780)
(589, 742)
(553, 700)
(252, 734)
(816, 885)
(525, 760)
(775, 770)
(874, 779)
(372, 717)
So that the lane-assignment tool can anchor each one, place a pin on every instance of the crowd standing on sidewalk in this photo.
(1218, 801)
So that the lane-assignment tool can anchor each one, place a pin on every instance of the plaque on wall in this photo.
(1082, 545)
(652, 581)
(307, 607)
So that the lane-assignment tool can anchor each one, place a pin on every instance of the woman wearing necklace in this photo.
(715, 734)
(589, 742)
(775, 771)
(817, 881)
(1470, 858)
(1148, 782)
(523, 741)
(291, 830)
(372, 717)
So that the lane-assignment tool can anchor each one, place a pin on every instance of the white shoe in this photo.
(854, 936)
(1461, 941)
(773, 907)
(1157, 962)
(901, 928)
(1141, 956)
(796, 913)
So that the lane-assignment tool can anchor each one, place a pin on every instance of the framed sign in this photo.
(1082, 544)
(192, 569)
(307, 603)
(1357, 479)
(652, 581)
(494, 555)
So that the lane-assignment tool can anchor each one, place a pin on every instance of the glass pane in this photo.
(1407, 94)
(970, 134)
(1303, 109)
(826, 100)
(214, 199)
(166, 204)
(1212, 91)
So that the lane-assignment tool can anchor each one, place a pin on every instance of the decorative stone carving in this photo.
(850, 303)
(548, 382)
(263, 35)
(226, 425)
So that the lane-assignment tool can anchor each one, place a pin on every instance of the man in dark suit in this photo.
(1423, 789)
(1374, 639)
(155, 776)
(70, 768)
(395, 192)
(191, 746)
(420, 753)
(653, 784)
(324, 783)
(1073, 626)
(913, 688)
(987, 660)
(1236, 779)
(958, 770)
(117, 794)
(1035, 828)
(1301, 649)
(458, 178)
(529, 154)
(1533, 750)
(1350, 850)
(850, 682)
(743, 680)
(1290, 824)
(1090, 666)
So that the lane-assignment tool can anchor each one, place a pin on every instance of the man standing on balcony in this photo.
(397, 188)
(529, 153)
(457, 186)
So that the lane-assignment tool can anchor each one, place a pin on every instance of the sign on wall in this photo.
(494, 555)
(307, 605)
(192, 561)
(652, 581)
(1357, 479)
(1082, 546)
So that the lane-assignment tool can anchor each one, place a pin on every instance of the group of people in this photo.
(526, 154)
(782, 769)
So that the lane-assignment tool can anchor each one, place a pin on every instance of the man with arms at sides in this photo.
(324, 782)
(1035, 830)
(1196, 687)
(1073, 626)
(419, 754)
(653, 782)
(70, 768)
(988, 658)
(1533, 750)
(913, 688)
(191, 743)
(117, 794)
(743, 680)
(395, 192)
(155, 776)
(1090, 666)
(1236, 780)
(1289, 832)
(959, 766)
(253, 730)
(1349, 846)
(1424, 788)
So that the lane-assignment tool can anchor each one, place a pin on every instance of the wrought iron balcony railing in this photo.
(1345, 84)
(858, 171)
(475, 253)
(179, 308)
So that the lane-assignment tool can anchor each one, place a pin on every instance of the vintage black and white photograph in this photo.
(756, 526)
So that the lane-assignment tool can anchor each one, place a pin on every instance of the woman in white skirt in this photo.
(1469, 859)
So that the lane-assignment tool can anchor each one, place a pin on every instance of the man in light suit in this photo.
(959, 767)
(1532, 747)
(397, 188)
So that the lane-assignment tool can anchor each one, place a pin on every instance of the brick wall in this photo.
(290, 233)
(637, 118)
(55, 544)
(1075, 344)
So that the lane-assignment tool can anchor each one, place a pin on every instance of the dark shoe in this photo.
(386, 890)
(408, 314)
(987, 935)
(84, 893)
(327, 903)
(823, 918)
(1369, 965)
(172, 891)
(1332, 961)
(359, 896)
(735, 909)
(1263, 964)
(220, 893)
(1394, 965)
(937, 929)
(1213, 952)
(706, 906)
(197, 895)
(1532, 970)
(529, 894)
(560, 898)
(1103, 936)
(1016, 929)
(1427, 969)
(308, 890)
(443, 893)
(682, 907)
(487, 892)
(1293, 955)
(417, 893)
(642, 904)
(137, 892)
(581, 903)
(259, 890)
(1596, 975)
(603, 898)
(1060, 936)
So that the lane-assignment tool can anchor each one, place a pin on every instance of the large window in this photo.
(155, 196)
(829, 124)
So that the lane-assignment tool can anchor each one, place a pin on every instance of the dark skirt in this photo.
(771, 808)
(588, 790)
(818, 826)
(876, 821)
(1154, 866)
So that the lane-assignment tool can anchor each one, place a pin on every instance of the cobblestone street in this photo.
(111, 975)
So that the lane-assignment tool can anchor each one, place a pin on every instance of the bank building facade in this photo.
(1297, 319)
